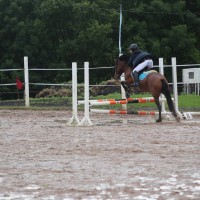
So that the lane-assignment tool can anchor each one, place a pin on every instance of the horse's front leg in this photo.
(126, 88)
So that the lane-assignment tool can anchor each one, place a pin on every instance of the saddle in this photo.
(144, 74)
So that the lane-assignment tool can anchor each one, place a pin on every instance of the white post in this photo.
(122, 78)
(161, 70)
(26, 82)
(195, 88)
(86, 120)
(120, 29)
(175, 90)
(74, 120)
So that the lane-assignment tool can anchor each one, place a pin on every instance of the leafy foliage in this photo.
(55, 33)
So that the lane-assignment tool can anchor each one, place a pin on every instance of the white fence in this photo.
(26, 77)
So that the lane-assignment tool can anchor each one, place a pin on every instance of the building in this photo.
(191, 80)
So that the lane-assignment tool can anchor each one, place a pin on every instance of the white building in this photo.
(191, 80)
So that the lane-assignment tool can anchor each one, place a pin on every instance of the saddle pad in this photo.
(143, 75)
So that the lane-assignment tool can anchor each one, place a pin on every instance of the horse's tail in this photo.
(166, 92)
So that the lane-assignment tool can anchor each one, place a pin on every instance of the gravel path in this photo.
(42, 158)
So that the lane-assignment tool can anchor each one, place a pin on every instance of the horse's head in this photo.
(120, 65)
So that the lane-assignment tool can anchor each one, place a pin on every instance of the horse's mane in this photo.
(124, 57)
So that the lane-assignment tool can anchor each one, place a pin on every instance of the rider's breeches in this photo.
(147, 63)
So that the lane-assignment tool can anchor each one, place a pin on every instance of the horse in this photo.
(154, 82)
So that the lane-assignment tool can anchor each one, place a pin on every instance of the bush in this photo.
(111, 86)
(49, 92)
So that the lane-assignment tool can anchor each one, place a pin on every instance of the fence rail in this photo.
(27, 83)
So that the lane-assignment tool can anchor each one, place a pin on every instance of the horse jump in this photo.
(86, 120)
(123, 101)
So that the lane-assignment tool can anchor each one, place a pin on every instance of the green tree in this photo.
(55, 33)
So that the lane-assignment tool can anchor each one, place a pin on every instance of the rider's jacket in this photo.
(138, 57)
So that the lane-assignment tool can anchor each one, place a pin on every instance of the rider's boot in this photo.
(136, 79)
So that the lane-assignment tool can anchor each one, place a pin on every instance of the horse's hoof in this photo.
(159, 120)
(177, 118)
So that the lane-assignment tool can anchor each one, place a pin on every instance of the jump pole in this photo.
(151, 99)
(124, 112)
(74, 120)
(86, 120)
(127, 112)
(123, 102)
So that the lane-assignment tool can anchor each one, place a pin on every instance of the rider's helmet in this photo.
(133, 47)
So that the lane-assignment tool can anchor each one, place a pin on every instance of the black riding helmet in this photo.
(133, 47)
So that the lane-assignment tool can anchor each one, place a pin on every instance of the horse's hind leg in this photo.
(157, 102)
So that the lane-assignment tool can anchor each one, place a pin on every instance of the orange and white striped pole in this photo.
(124, 112)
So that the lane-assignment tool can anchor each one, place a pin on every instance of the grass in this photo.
(189, 102)
(186, 103)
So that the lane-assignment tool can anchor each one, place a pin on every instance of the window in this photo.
(191, 75)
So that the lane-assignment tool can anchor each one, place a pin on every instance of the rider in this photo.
(139, 60)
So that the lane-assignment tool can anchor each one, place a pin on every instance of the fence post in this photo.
(161, 70)
(26, 82)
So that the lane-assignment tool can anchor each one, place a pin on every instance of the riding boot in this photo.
(136, 81)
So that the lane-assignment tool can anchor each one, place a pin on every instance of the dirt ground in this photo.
(119, 157)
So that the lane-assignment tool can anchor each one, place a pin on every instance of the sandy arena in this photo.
(42, 158)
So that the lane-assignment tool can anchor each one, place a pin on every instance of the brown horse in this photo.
(155, 83)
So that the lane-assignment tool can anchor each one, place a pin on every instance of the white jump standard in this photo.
(74, 120)
(86, 120)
